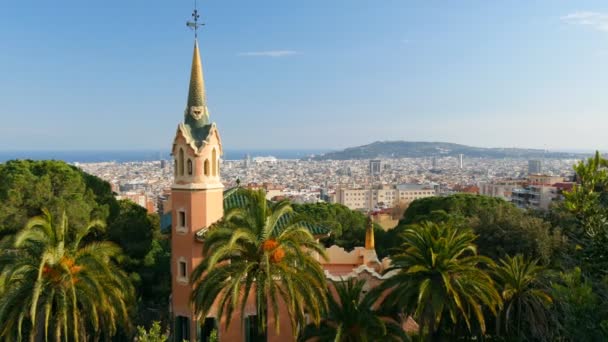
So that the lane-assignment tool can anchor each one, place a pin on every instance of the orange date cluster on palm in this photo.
(272, 246)
(269, 245)
(55, 272)
(277, 255)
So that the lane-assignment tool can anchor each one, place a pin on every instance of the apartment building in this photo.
(501, 189)
(384, 196)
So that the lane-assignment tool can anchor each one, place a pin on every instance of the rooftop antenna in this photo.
(194, 24)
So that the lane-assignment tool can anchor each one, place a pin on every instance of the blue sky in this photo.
(306, 74)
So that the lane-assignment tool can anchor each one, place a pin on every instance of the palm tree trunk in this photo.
(519, 318)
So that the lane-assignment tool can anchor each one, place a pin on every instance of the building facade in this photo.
(501, 188)
(386, 196)
(539, 192)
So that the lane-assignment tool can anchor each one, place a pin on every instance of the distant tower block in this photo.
(534, 167)
(461, 156)
(375, 167)
(434, 163)
(247, 161)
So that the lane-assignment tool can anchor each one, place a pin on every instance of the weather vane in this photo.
(194, 24)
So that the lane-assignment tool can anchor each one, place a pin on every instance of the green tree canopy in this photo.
(27, 186)
(347, 226)
(580, 310)
(587, 224)
(132, 229)
(502, 228)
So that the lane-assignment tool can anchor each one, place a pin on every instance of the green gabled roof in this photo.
(197, 134)
(235, 198)
(314, 229)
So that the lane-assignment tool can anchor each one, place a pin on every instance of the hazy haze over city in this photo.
(314, 74)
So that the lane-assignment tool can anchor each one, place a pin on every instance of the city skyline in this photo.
(308, 76)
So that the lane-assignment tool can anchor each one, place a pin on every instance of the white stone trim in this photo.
(356, 272)
(198, 186)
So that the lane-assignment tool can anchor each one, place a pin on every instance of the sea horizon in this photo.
(140, 155)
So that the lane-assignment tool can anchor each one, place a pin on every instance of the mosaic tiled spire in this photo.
(197, 114)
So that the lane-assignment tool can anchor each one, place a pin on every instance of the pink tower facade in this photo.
(196, 196)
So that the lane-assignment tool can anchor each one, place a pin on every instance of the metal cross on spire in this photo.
(194, 24)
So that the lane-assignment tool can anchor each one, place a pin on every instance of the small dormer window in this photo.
(197, 112)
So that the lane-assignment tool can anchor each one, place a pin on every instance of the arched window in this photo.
(189, 167)
(175, 167)
(181, 162)
(214, 161)
(206, 167)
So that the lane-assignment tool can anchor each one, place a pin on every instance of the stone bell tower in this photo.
(196, 195)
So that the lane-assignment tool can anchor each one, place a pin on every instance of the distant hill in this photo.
(414, 149)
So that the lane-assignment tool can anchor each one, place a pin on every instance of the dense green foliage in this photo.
(347, 226)
(585, 212)
(439, 278)
(26, 187)
(502, 228)
(60, 287)
(155, 334)
(579, 308)
(354, 316)
(260, 251)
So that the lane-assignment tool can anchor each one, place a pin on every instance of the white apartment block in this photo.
(382, 197)
(501, 189)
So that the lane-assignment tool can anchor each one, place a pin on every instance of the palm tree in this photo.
(352, 317)
(525, 302)
(260, 250)
(437, 273)
(60, 287)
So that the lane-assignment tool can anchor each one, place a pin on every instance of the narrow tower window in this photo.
(206, 167)
(175, 167)
(183, 273)
(189, 167)
(182, 219)
(214, 161)
(181, 162)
